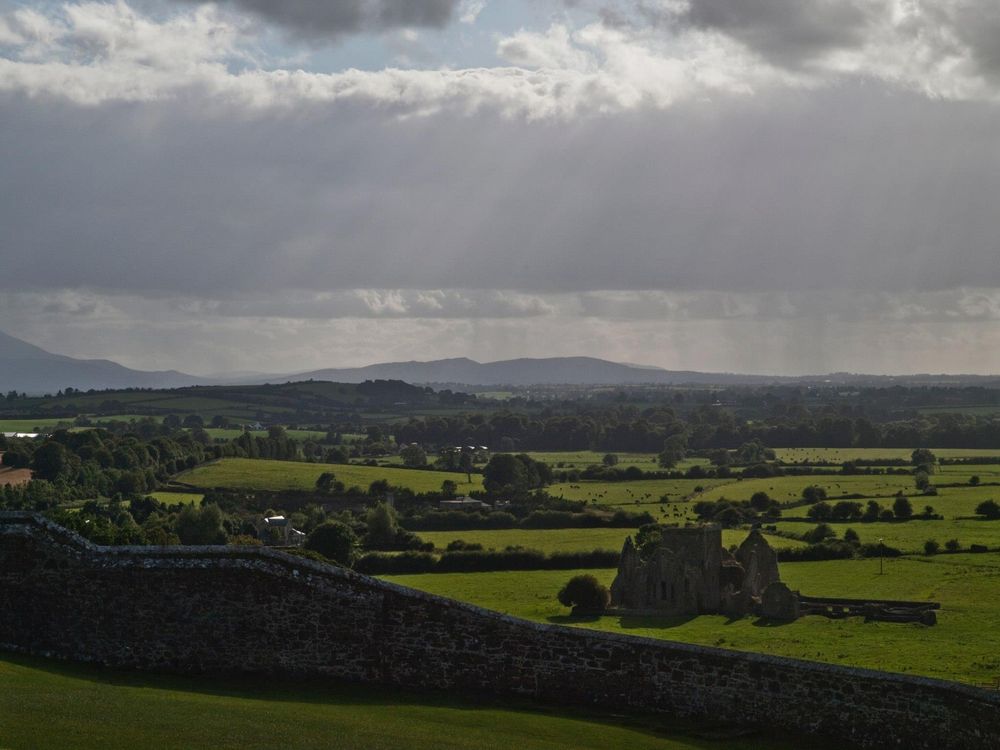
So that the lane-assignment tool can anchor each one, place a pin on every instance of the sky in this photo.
(759, 186)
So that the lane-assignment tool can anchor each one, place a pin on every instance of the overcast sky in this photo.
(773, 186)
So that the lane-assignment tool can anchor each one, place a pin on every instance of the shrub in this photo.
(989, 509)
(459, 545)
(585, 592)
(952, 545)
(902, 508)
(335, 541)
(820, 534)
(931, 547)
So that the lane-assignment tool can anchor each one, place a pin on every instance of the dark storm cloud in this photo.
(788, 31)
(846, 189)
(337, 17)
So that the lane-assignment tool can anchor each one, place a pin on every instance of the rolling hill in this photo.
(28, 368)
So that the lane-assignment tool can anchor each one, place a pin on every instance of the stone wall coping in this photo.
(163, 557)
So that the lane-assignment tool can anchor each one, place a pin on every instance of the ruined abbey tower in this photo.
(689, 573)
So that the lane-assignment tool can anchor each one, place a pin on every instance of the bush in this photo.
(820, 534)
(931, 547)
(989, 509)
(460, 545)
(952, 545)
(585, 592)
(335, 541)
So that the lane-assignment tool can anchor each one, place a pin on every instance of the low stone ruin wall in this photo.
(249, 610)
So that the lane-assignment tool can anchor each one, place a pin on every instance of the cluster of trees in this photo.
(731, 513)
(96, 463)
(661, 430)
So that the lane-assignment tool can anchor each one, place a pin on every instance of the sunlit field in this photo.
(963, 646)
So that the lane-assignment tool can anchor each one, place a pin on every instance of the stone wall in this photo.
(217, 609)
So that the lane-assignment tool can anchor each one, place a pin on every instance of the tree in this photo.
(902, 508)
(872, 511)
(465, 464)
(518, 474)
(413, 456)
(921, 480)
(974, 480)
(760, 501)
(674, 450)
(814, 494)
(924, 460)
(327, 482)
(585, 592)
(449, 488)
(989, 509)
(852, 536)
(610, 459)
(50, 461)
(753, 452)
(335, 541)
(819, 512)
(952, 545)
(931, 547)
(820, 534)
(200, 525)
(383, 526)
(379, 488)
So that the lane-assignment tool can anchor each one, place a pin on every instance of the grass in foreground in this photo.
(963, 646)
(50, 704)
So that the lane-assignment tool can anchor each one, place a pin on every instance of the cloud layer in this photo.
(713, 184)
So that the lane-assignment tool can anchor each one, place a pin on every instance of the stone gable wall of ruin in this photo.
(251, 610)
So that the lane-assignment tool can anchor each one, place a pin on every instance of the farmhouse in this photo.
(277, 531)
(464, 503)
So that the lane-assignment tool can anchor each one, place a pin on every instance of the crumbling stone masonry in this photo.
(253, 610)
(689, 573)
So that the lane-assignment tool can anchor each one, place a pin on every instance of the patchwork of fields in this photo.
(246, 473)
(568, 540)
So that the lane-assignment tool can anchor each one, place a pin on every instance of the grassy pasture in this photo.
(50, 704)
(963, 646)
(172, 498)
(910, 536)
(217, 433)
(646, 491)
(582, 459)
(786, 489)
(251, 474)
(42, 424)
(567, 540)
(839, 455)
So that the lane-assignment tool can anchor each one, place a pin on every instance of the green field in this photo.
(252, 474)
(640, 492)
(218, 433)
(839, 455)
(172, 498)
(54, 705)
(568, 540)
(963, 646)
(31, 425)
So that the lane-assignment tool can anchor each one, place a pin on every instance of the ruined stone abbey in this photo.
(690, 573)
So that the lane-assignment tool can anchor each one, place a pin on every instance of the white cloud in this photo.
(469, 10)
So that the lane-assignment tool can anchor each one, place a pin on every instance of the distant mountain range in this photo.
(28, 368)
